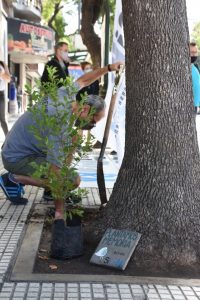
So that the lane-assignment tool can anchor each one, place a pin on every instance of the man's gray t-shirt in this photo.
(21, 142)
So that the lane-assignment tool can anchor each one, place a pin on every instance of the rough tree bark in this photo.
(157, 192)
(90, 13)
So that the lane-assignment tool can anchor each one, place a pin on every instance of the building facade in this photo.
(26, 43)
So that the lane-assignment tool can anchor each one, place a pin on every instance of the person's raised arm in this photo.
(6, 74)
(90, 77)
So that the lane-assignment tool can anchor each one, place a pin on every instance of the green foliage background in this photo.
(196, 34)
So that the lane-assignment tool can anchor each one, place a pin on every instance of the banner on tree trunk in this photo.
(116, 139)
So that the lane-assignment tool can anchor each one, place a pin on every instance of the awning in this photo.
(29, 42)
(19, 57)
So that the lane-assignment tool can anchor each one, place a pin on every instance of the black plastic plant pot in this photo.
(73, 241)
(75, 220)
(67, 241)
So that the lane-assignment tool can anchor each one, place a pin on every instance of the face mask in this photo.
(193, 59)
(87, 126)
(64, 56)
(87, 70)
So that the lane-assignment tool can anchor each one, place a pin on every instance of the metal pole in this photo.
(107, 36)
(100, 173)
(79, 16)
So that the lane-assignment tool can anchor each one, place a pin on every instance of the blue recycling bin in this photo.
(12, 91)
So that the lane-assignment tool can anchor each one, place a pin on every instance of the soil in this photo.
(81, 265)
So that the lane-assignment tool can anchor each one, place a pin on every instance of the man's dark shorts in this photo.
(23, 166)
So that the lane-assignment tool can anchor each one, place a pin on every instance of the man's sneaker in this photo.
(47, 195)
(73, 199)
(13, 191)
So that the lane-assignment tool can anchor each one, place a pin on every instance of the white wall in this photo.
(4, 45)
(3, 37)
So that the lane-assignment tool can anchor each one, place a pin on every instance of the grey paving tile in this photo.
(85, 295)
(5, 294)
(179, 297)
(113, 297)
(99, 296)
(72, 289)
(60, 295)
(72, 295)
(59, 286)
(185, 288)
(85, 285)
(32, 294)
(19, 293)
(126, 296)
(85, 289)
(189, 293)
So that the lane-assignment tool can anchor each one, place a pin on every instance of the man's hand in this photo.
(2, 71)
(116, 66)
(90, 77)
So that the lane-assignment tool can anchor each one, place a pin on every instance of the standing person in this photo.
(92, 89)
(4, 78)
(194, 55)
(195, 77)
(19, 98)
(60, 61)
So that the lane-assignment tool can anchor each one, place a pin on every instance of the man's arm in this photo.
(6, 74)
(70, 155)
(90, 77)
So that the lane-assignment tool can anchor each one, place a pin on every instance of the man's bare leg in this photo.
(59, 204)
(59, 209)
(27, 180)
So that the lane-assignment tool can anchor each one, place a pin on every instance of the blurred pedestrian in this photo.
(4, 79)
(92, 89)
(194, 55)
(195, 77)
(19, 98)
(60, 62)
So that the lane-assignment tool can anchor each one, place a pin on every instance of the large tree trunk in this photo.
(90, 13)
(157, 192)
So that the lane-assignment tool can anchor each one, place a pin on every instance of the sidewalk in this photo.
(13, 226)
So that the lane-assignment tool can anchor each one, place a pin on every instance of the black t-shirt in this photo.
(92, 89)
(61, 72)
